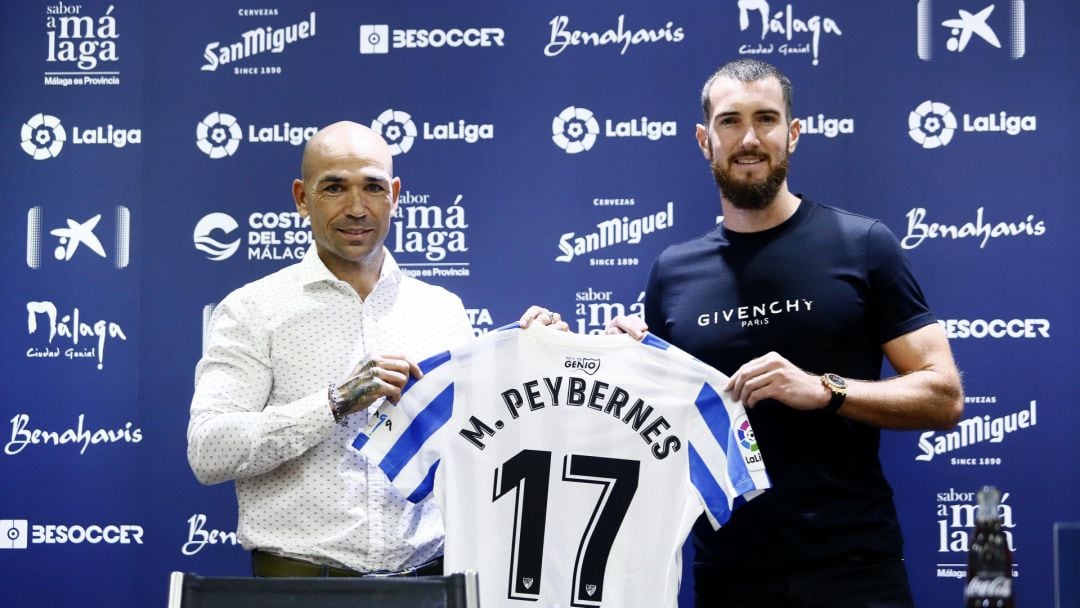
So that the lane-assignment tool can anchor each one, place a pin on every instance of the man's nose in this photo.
(750, 138)
(357, 204)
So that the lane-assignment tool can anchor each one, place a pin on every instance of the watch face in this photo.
(836, 380)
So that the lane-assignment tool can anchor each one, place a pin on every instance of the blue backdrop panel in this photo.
(547, 155)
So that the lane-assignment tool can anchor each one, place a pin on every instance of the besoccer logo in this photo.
(218, 135)
(14, 533)
(745, 435)
(397, 128)
(43, 136)
(374, 39)
(575, 130)
(932, 124)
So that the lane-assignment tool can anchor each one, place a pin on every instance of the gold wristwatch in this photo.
(838, 387)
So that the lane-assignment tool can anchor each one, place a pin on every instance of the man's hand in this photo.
(774, 377)
(377, 375)
(631, 324)
(543, 316)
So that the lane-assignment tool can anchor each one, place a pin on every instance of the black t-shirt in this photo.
(825, 289)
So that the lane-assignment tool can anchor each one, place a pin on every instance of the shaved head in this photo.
(349, 194)
(341, 137)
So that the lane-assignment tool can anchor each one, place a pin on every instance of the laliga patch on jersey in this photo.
(748, 444)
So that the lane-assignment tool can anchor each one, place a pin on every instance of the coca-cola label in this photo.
(999, 586)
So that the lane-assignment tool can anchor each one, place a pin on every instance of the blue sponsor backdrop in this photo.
(547, 155)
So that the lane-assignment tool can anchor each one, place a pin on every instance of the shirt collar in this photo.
(313, 270)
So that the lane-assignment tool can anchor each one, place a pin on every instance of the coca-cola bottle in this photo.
(989, 576)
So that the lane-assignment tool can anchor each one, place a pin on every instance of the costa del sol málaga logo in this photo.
(932, 124)
(205, 242)
(575, 129)
(397, 128)
(43, 136)
(218, 135)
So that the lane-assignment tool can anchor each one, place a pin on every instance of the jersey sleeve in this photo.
(726, 465)
(897, 305)
(402, 439)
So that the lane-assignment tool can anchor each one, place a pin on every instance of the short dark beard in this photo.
(750, 195)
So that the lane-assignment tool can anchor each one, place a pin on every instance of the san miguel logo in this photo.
(254, 42)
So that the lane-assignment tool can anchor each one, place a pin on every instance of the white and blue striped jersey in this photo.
(569, 468)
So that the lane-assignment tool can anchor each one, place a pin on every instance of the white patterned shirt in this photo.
(260, 414)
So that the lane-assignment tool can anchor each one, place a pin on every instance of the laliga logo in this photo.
(43, 136)
(746, 436)
(397, 128)
(932, 124)
(744, 433)
(218, 135)
(204, 242)
(575, 130)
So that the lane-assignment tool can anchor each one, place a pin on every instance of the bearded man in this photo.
(798, 302)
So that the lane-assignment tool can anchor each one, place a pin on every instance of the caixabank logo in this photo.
(933, 124)
(21, 534)
(219, 134)
(399, 130)
(82, 45)
(43, 136)
(963, 25)
(576, 129)
(270, 236)
(77, 236)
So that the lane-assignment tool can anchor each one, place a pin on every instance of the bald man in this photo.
(293, 362)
